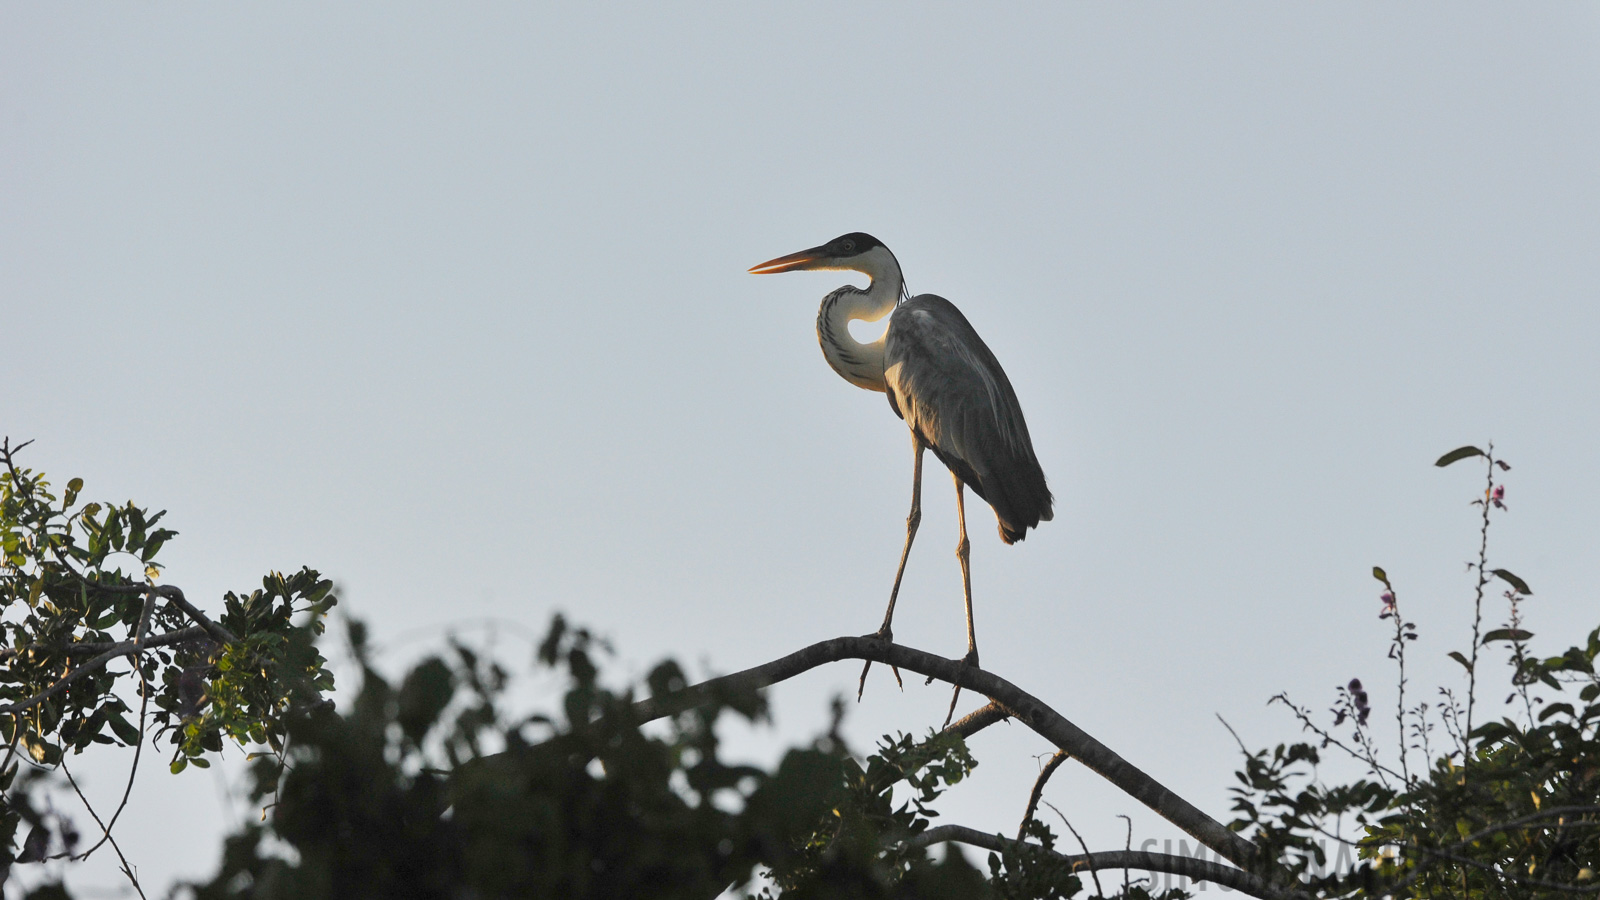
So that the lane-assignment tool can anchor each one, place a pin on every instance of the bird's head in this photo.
(857, 252)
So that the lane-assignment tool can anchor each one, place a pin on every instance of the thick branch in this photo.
(85, 647)
(1186, 866)
(1033, 712)
(175, 594)
(979, 719)
(161, 640)
(93, 665)
(108, 652)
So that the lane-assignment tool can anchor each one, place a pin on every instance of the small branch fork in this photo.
(107, 652)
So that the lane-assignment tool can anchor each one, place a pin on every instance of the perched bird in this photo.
(943, 381)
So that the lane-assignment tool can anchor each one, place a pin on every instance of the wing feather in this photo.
(948, 386)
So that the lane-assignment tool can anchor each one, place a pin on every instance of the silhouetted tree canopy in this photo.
(436, 784)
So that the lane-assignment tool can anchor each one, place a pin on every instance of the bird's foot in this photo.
(887, 636)
(971, 659)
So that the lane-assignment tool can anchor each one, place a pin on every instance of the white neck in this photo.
(858, 363)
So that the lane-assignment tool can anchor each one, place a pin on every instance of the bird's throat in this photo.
(859, 363)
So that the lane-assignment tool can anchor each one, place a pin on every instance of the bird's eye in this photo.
(847, 246)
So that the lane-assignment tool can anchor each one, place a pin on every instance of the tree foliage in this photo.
(79, 598)
(1508, 807)
(440, 784)
(433, 789)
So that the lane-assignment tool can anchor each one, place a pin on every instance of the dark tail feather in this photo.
(1020, 498)
(1020, 502)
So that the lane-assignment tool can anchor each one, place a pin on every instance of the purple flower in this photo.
(1358, 699)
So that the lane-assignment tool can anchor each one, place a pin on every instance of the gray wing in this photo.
(943, 380)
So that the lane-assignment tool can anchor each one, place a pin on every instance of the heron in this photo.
(947, 386)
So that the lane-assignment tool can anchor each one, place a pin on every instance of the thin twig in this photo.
(1127, 846)
(7, 452)
(133, 769)
(1093, 873)
(1400, 696)
(1327, 738)
(1236, 740)
(126, 869)
(1477, 602)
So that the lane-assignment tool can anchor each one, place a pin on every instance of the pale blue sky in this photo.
(450, 303)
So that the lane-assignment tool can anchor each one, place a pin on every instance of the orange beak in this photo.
(794, 262)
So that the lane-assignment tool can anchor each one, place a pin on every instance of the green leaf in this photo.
(1514, 581)
(1554, 708)
(1458, 455)
(1456, 655)
(424, 694)
(123, 728)
(179, 764)
(200, 762)
(1378, 573)
(1507, 634)
(807, 784)
(42, 751)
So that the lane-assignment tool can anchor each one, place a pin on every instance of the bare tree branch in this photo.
(126, 868)
(1186, 866)
(1049, 769)
(1034, 713)
(979, 719)
(133, 771)
(217, 632)
(83, 648)
(86, 647)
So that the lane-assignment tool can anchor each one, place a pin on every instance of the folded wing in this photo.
(949, 388)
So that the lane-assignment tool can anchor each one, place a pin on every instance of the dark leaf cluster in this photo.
(432, 788)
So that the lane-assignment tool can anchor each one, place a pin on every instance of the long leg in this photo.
(966, 575)
(912, 521)
(962, 547)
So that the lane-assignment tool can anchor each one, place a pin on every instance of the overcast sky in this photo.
(450, 303)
